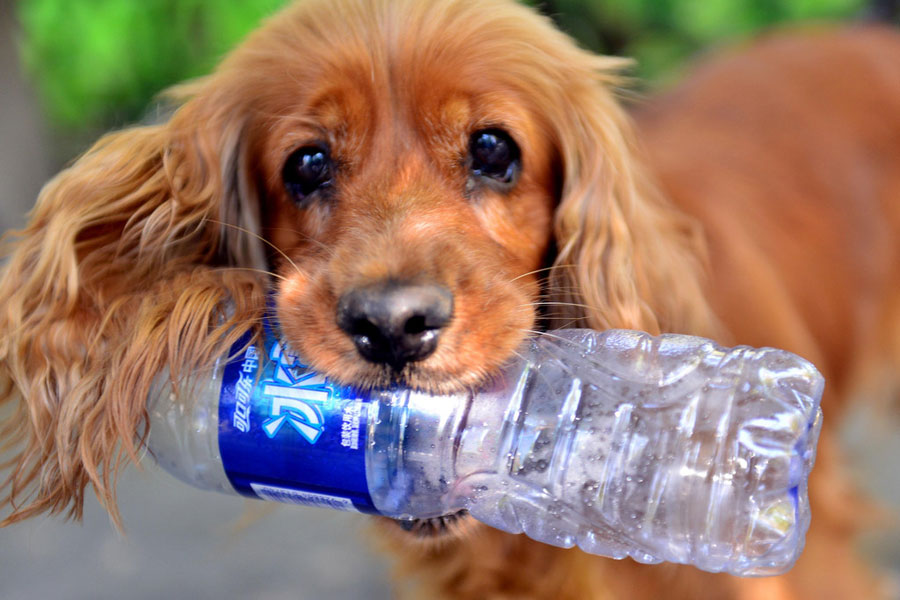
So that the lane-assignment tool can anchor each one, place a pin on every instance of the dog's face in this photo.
(408, 193)
(415, 166)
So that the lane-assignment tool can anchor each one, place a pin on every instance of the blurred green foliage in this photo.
(662, 34)
(97, 63)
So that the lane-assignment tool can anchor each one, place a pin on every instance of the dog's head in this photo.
(422, 181)
(416, 165)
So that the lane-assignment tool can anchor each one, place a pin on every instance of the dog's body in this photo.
(789, 155)
(439, 156)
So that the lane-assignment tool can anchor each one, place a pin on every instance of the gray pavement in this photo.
(186, 543)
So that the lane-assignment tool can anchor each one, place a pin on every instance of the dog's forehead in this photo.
(396, 48)
(361, 73)
(375, 102)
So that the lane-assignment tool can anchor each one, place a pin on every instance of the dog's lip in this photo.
(413, 377)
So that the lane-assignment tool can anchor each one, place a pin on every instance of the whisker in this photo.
(540, 270)
(261, 238)
(553, 303)
(554, 317)
(549, 334)
(571, 322)
(305, 236)
(520, 356)
(263, 271)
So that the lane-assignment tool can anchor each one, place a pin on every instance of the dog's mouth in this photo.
(434, 527)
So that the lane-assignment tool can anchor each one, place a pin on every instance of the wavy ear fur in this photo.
(625, 258)
(118, 273)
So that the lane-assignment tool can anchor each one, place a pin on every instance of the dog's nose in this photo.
(395, 323)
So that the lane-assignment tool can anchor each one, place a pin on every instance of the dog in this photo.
(424, 185)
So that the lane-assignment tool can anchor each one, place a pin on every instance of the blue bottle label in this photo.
(289, 434)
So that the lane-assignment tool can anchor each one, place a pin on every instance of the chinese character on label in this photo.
(297, 396)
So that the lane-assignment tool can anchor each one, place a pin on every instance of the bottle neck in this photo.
(425, 451)
(411, 452)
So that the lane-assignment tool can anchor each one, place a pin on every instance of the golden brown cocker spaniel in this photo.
(448, 153)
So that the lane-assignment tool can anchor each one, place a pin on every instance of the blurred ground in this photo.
(872, 442)
(181, 542)
(185, 543)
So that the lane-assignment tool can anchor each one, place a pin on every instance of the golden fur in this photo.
(131, 253)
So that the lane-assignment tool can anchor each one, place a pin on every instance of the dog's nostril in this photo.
(415, 325)
(364, 327)
(395, 323)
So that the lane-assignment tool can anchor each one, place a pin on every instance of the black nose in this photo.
(395, 323)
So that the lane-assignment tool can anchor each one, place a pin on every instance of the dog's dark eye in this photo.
(494, 155)
(307, 171)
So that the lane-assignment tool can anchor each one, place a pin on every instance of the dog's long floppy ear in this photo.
(624, 257)
(121, 270)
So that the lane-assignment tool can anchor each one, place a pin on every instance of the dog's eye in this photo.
(307, 171)
(494, 155)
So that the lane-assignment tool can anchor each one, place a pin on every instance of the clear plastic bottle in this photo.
(665, 448)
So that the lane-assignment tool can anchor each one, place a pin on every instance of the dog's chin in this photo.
(434, 532)
(434, 526)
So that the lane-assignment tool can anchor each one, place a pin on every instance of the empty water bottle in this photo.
(665, 448)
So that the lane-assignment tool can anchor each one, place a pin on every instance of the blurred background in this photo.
(71, 69)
